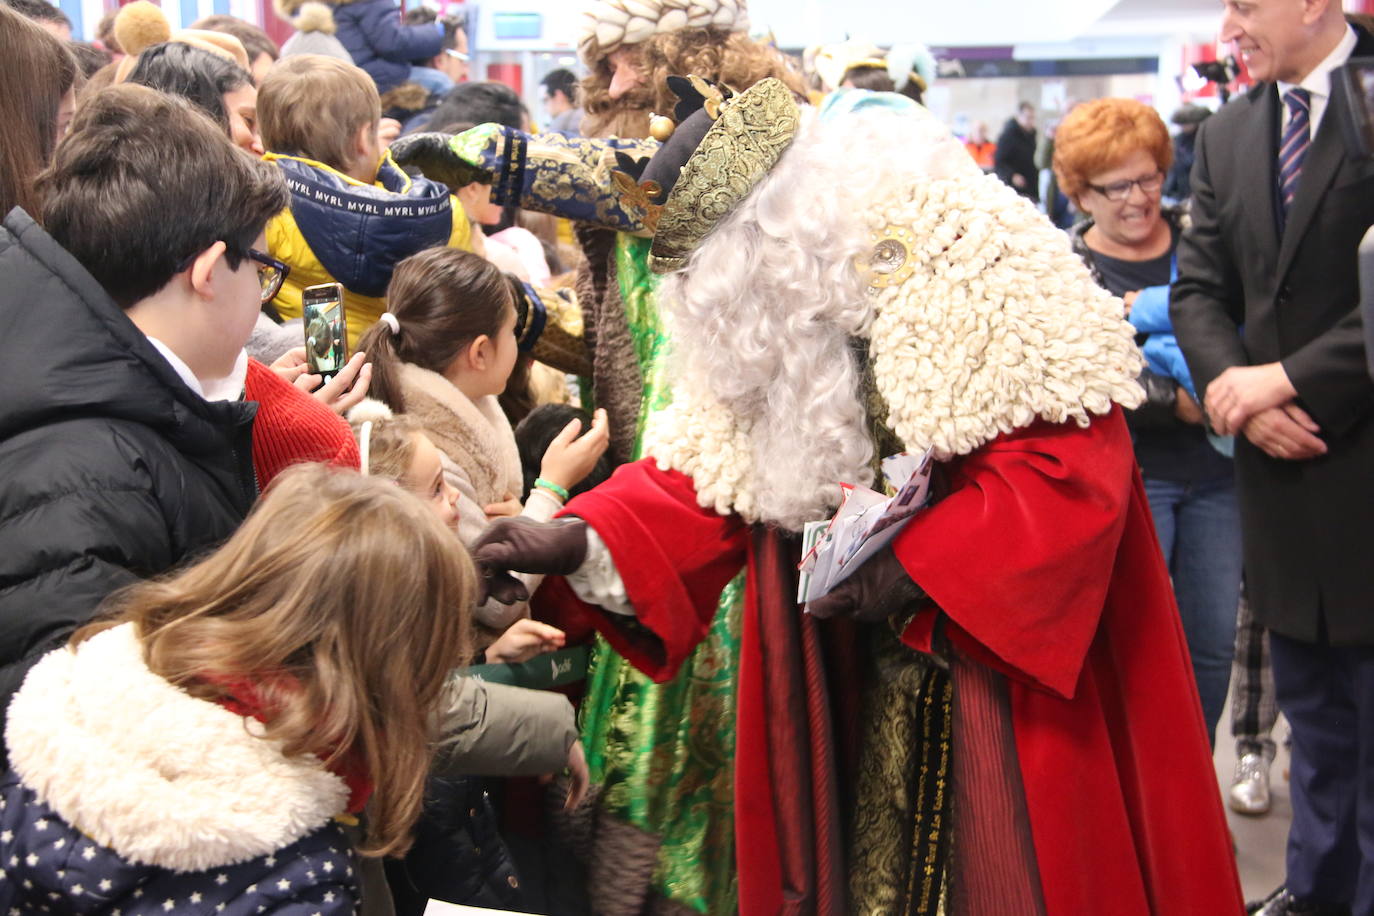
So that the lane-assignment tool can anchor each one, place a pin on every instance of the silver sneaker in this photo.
(1250, 786)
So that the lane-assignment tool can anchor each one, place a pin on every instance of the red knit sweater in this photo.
(292, 427)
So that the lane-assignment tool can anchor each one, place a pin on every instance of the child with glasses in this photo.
(125, 445)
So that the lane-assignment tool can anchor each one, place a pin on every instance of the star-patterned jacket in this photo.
(129, 797)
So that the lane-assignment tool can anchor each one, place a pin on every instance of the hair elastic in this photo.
(391, 321)
(364, 446)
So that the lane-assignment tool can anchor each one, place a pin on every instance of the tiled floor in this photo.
(1259, 840)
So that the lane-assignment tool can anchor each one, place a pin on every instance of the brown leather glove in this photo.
(876, 591)
(508, 545)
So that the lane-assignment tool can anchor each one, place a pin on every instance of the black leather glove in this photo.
(433, 155)
(508, 545)
(876, 591)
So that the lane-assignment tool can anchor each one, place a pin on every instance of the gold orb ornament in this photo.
(661, 128)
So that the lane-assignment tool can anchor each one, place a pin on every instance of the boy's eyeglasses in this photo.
(1118, 191)
(271, 273)
(456, 55)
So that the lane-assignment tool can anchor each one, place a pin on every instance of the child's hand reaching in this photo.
(569, 458)
(508, 507)
(523, 640)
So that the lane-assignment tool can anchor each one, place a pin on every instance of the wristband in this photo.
(553, 488)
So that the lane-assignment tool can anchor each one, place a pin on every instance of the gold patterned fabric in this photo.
(752, 132)
(901, 834)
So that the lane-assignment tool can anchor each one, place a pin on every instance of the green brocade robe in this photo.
(663, 753)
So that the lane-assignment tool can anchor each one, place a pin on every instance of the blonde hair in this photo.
(728, 57)
(390, 442)
(312, 106)
(336, 599)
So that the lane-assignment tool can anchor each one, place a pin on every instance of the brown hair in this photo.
(1100, 135)
(875, 79)
(144, 182)
(443, 299)
(336, 599)
(36, 71)
(728, 57)
(311, 105)
(255, 41)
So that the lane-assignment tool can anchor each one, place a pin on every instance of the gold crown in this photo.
(749, 135)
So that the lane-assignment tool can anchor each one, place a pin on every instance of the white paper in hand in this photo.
(865, 523)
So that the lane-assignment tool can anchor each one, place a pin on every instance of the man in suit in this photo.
(1266, 308)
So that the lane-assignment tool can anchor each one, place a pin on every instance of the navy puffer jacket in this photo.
(372, 32)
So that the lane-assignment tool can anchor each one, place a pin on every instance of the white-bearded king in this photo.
(996, 713)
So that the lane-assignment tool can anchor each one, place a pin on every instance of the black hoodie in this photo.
(111, 468)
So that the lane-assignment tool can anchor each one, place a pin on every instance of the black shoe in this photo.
(1282, 903)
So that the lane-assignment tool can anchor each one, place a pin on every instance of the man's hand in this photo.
(875, 591)
(554, 548)
(1285, 432)
(1241, 392)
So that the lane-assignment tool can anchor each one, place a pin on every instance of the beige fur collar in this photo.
(475, 435)
(160, 777)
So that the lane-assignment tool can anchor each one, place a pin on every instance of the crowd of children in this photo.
(225, 659)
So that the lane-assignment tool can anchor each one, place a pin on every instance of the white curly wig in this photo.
(993, 323)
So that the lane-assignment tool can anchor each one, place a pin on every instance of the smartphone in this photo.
(326, 330)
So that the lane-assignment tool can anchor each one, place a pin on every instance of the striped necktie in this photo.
(1296, 138)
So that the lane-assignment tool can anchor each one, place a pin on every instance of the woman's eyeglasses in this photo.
(1118, 191)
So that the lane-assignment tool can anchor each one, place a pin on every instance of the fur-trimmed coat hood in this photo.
(126, 792)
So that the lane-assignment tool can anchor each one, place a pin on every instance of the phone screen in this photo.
(326, 332)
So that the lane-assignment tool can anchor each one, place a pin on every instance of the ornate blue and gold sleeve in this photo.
(550, 173)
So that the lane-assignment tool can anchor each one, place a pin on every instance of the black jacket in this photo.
(1248, 294)
(111, 468)
(1015, 155)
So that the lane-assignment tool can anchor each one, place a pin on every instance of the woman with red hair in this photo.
(1111, 157)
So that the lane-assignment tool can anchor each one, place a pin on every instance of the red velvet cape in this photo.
(1044, 561)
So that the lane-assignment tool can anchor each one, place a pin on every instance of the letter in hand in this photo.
(433, 155)
(876, 591)
(508, 545)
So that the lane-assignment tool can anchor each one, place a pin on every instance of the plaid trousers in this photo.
(1253, 706)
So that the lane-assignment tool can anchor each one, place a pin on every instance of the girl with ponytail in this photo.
(441, 355)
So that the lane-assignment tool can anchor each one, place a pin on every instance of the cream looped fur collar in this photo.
(990, 323)
(159, 776)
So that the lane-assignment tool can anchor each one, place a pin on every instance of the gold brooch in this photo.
(889, 263)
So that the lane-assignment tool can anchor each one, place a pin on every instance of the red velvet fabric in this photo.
(674, 557)
(1044, 559)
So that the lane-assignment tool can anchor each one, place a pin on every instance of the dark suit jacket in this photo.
(1245, 296)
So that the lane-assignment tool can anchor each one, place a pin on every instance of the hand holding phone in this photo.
(326, 330)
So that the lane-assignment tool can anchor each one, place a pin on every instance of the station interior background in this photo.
(991, 55)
